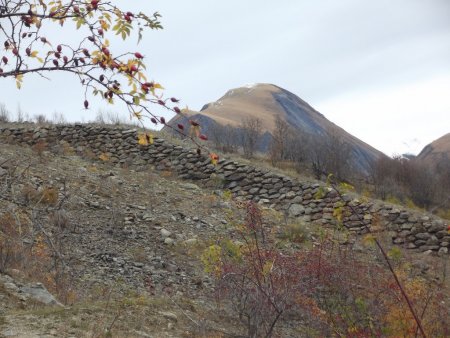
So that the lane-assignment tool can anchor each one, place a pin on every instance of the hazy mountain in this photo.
(266, 102)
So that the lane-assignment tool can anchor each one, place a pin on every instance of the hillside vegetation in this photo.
(136, 252)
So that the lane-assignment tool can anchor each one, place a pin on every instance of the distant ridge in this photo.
(437, 154)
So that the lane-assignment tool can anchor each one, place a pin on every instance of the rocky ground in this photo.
(127, 245)
(121, 234)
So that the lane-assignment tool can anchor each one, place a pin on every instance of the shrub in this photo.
(261, 283)
(330, 287)
(295, 232)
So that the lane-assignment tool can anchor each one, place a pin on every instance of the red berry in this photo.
(58, 55)
(177, 110)
(154, 120)
(102, 78)
(59, 48)
(180, 126)
(193, 123)
(174, 100)
(100, 31)
(65, 59)
(55, 62)
(138, 55)
(28, 51)
(76, 9)
(5, 60)
(15, 51)
(163, 120)
(203, 137)
(44, 40)
(161, 102)
(86, 104)
(86, 52)
(91, 38)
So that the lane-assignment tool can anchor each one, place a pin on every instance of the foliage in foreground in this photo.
(328, 288)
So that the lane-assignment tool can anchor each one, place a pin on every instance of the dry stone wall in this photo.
(309, 201)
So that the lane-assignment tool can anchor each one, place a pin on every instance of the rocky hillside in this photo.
(104, 237)
(267, 102)
(437, 154)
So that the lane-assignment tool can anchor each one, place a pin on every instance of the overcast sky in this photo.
(379, 69)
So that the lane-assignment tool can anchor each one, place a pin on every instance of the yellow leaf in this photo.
(158, 86)
(145, 139)
(34, 53)
(267, 268)
(19, 79)
(104, 25)
(369, 240)
(104, 157)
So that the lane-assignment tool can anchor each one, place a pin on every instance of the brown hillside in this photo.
(267, 102)
(437, 153)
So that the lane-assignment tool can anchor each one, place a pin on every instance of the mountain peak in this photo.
(268, 102)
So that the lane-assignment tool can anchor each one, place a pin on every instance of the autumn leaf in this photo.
(214, 158)
(145, 139)
(104, 157)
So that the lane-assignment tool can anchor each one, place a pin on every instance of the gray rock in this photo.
(423, 236)
(40, 294)
(296, 210)
(443, 251)
(169, 241)
(169, 315)
(165, 233)
(190, 186)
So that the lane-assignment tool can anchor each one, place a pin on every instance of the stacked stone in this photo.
(310, 201)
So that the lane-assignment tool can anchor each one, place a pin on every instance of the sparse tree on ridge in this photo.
(251, 131)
